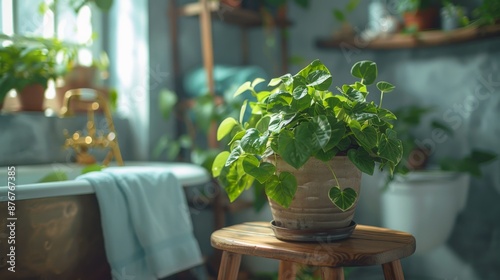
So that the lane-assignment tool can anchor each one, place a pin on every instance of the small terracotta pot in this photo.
(311, 207)
(422, 19)
(31, 97)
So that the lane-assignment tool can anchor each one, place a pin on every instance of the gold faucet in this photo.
(81, 143)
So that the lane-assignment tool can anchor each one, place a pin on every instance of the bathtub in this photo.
(58, 231)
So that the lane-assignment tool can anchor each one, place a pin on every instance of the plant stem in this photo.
(276, 160)
(334, 176)
(381, 98)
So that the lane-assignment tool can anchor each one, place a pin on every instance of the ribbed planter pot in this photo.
(31, 97)
(311, 208)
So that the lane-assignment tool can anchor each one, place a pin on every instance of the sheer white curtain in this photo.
(129, 66)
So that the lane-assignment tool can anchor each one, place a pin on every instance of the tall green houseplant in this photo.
(299, 118)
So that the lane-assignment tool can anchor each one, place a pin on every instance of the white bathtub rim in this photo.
(187, 174)
(52, 189)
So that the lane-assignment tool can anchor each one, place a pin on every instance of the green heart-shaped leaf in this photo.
(279, 101)
(354, 95)
(385, 86)
(319, 79)
(300, 91)
(322, 130)
(260, 171)
(282, 189)
(253, 143)
(234, 180)
(244, 87)
(219, 163)
(366, 136)
(235, 154)
(225, 127)
(299, 105)
(386, 115)
(257, 81)
(338, 131)
(362, 160)
(343, 199)
(295, 150)
(365, 70)
(263, 124)
(316, 75)
(390, 149)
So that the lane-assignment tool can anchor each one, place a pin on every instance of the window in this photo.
(53, 18)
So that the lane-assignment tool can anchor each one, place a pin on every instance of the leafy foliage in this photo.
(410, 117)
(488, 12)
(32, 60)
(298, 118)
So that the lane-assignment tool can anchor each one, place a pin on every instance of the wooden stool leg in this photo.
(287, 270)
(332, 273)
(393, 270)
(229, 266)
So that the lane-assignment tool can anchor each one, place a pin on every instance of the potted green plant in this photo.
(307, 146)
(419, 15)
(30, 62)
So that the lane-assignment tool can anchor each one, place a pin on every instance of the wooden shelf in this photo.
(417, 40)
(228, 14)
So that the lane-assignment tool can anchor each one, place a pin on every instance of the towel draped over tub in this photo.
(146, 224)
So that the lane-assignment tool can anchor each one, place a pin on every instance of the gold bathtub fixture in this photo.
(80, 142)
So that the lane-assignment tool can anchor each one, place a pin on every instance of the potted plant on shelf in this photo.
(306, 147)
(30, 62)
(419, 15)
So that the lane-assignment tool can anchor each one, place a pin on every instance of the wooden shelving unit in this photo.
(225, 13)
(417, 40)
(206, 11)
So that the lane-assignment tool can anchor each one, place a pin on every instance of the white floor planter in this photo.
(426, 204)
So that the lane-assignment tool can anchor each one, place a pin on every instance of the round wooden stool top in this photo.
(366, 246)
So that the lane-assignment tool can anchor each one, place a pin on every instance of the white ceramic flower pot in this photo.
(425, 204)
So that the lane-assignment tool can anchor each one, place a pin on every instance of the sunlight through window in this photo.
(7, 18)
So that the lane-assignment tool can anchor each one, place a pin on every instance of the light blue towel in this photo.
(146, 225)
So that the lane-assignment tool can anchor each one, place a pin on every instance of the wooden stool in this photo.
(366, 246)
